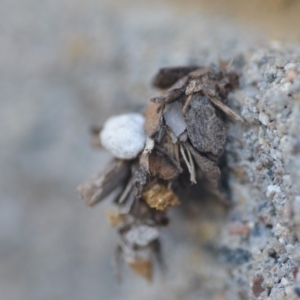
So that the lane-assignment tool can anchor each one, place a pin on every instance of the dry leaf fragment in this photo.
(168, 144)
(142, 268)
(168, 76)
(103, 183)
(161, 166)
(138, 258)
(174, 118)
(183, 137)
(172, 154)
(205, 129)
(159, 197)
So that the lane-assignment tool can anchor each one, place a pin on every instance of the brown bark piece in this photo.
(161, 166)
(205, 129)
(200, 72)
(169, 96)
(168, 76)
(140, 178)
(103, 183)
(153, 119)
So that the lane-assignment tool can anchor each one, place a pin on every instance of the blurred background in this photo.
(66, 65)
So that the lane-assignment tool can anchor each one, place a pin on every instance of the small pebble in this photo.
(272, 190)
(124, 135)
(297, 291)
(264, 118)
(284, 281)
(290, 248)
(272, 253)
(289, 66)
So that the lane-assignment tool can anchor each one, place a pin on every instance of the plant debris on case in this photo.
(177, 142)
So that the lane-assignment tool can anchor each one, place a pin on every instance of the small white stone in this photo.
(290, 66)
(287, 180)
(286, 87)
(272, 190)
(284, 281)
(124, 135)
(264, 118)
(141, 235)
(289, 248)
(279, 229)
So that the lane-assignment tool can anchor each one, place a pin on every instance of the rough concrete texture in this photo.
(66, 65)
(263, 159)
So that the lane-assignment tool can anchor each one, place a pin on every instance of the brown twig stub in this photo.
(103, 183)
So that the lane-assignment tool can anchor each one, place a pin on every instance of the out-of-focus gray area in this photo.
(66, 65)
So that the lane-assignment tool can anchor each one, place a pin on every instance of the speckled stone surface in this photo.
(66, 65)
(263, 160)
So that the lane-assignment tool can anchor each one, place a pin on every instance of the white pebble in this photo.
(124, 135)
(289, 248)
(284, 281)
(290, 66)
(287, 180)
(272, 190)
(264, 118)
(141, 235)
(286, 87)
